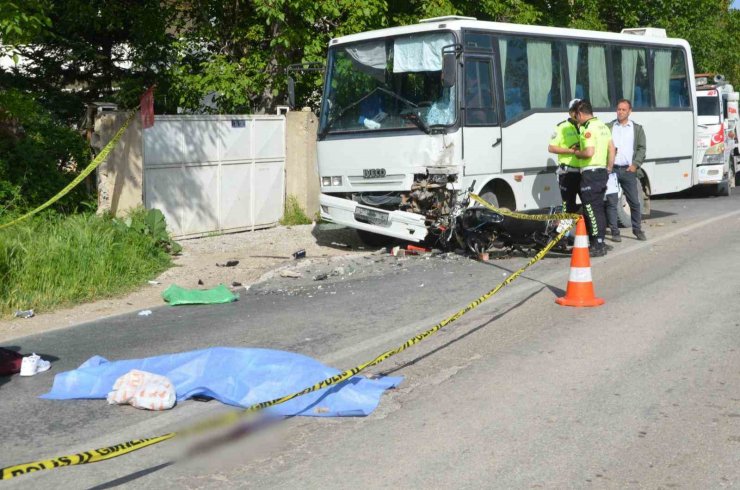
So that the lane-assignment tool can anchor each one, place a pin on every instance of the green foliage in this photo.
(51, 261)
(152, 225)
(20, 20)
(39, 155)
(237, 51)
(294, 214)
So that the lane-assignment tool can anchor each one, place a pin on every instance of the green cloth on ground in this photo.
(175, 295)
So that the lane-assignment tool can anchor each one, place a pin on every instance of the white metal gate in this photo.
(215, 173)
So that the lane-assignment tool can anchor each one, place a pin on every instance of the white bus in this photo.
(412, 114)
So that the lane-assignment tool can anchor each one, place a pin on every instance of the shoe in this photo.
(608, 247)
(597, 251)
(640, 235)
(616, 237)
(33, 364)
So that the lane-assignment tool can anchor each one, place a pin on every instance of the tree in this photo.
(19, 22)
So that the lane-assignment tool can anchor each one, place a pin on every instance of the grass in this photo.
(294, 214)
(53, 261)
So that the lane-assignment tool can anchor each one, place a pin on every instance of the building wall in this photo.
(301, 169)
(120, 177)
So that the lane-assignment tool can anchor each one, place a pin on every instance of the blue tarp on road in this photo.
(239, 377)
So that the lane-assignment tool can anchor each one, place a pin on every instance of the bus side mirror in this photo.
(449, 72)
(291, 92)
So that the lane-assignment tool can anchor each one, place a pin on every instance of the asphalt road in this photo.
(641, 392)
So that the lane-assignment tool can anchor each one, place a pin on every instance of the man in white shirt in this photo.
(629, 138)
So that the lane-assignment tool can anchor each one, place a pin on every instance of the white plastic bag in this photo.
(143, 390)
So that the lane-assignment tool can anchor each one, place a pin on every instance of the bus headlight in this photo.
(334, 180)
(714, 159)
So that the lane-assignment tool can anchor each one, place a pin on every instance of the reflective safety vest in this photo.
(565, 136)
(595, 134)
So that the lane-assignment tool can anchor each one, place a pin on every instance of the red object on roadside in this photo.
(414, 250)
(10, 362)
(147, 108)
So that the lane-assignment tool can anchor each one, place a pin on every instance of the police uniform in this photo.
(569, 177)
(594, 176)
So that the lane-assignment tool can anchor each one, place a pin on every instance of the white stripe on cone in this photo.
(580, 274)
(581, 241)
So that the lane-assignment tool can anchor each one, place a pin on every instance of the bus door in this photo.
(482, 131)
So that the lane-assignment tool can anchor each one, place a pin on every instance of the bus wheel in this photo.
(624, 214)
(644, 195)
(724, 189)
(490, 198)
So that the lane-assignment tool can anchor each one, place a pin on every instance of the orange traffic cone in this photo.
(580, 288)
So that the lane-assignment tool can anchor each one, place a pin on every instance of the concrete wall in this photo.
(120, 177)
(301, 169)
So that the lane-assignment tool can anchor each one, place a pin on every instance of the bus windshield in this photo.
(707, 106)
(390, 83)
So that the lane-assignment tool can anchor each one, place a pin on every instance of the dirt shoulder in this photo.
(258, 253)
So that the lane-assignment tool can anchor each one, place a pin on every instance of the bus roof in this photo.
(456, 24)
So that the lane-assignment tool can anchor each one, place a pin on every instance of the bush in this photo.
(51, 260)
(294, 214)
(38, 156)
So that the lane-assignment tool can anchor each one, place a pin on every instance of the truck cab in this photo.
(716, 135)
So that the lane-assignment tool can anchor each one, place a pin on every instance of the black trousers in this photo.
(590, 185)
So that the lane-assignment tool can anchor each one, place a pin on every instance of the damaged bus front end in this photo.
(389, 137)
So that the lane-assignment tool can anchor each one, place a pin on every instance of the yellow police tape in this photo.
(229, 418)
(93, 165)
(529, 217)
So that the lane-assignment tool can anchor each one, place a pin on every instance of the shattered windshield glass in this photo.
(390, 83)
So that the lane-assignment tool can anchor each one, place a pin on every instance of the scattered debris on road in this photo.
(143, 390)
(321, 277)
(176, 295)
(299, 254)
(10, 362)
(24, 314)
(145, 313)
(290, 273)
(228, 263)
(154, 283)
(33, 364)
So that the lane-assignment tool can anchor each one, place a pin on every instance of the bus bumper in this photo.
(710, 174)
(396, 224)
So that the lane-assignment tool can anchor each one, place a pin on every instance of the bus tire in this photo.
(624, 215)
(490, 197)
(644, 194)
(723, 189)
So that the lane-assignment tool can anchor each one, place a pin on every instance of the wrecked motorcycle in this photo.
(478, 229)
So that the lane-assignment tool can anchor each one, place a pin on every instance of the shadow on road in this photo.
(130, 477)
(554, 289)
(460, 337)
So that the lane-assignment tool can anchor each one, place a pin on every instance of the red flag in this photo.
(147, 108)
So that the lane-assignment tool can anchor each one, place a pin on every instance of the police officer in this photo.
(596, 154)
(564, 142)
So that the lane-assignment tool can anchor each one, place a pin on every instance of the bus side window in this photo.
(480, 107)
(531, 74)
